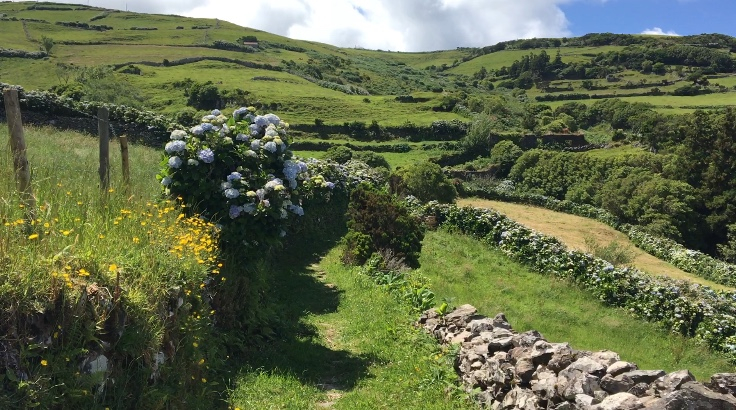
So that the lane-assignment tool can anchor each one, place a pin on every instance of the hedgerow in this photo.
(679, 306)
(689, 260)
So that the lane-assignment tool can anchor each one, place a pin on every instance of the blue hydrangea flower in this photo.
(206, 155)
(261, 121)
(330, 185)
(271, 147)
(235, 211)
(251, 153)
(254, 129)
(255, 145)
(272, 118)
(215, 112)
(207, 126)
(242, 137)
(192, 162)
(175, 146)
(232, 193)
(234, 176)
(175, 162)
(166, 181)
(249, 208)
(225, 185)
(240, 112)
(197, 130)
(209, 117)
(298, 210)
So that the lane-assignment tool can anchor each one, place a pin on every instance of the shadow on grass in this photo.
(297, 349)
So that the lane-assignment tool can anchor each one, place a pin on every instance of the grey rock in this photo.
(461, 315)
(500, 321)
(616, 384)
(461, 337)
(480, 325)
(565, 405)
(544, 352)
(639, 389)
(694, 396)
(525, 370)
(521, 399)
(673, 381)
(600, 395)
(500, 339)
(428, 314)
(643, 376)
(588, 365)
(571, 382)
(544, 384)
(527, 339)
(723, 383)
(520, 353)
(584, 401)
(621, 367)
(605, 357)
(619, 401)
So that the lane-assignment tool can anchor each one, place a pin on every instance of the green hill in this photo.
(305, 80)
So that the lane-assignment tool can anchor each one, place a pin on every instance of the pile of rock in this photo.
(511, 370)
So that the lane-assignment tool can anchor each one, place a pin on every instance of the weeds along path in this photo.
(573, 230)
(348, 345)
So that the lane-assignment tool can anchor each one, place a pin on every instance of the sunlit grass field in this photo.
(464, 270)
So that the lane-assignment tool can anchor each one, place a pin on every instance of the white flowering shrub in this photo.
(680, 306)
(239, 172)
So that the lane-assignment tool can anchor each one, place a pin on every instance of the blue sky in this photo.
(424, 25)
(684, 17)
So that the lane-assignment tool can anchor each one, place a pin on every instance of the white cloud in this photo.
(656, 31)
(399, 25)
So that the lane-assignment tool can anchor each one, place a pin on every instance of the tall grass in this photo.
(102, 268)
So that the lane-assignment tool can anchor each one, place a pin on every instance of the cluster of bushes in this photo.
(668, 250)
(441, 130)
(143, 28)
(100, 16)
(380, 222)
(326, 145)
(681, 307)
(13, 53)
(342, 154)
(85, 26)
(230, 46)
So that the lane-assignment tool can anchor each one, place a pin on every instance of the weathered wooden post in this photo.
(104, 131)
(126, 163)
(18, 148)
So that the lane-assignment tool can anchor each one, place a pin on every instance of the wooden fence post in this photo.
(126, 163)
(104, 132)
(18, 148)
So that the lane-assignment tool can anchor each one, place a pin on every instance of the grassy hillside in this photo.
(304, 78)
(574, 230)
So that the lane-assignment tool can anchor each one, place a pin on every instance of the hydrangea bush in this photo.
(666, 249)
(680, 306)
(238, 171)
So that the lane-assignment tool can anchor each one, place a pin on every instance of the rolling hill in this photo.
(304, 81)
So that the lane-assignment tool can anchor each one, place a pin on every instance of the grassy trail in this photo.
(351, 345)
(572, 231)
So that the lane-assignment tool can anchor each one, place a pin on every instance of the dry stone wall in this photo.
(509, 370)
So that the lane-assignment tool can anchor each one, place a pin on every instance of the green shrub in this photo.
(372, 159)
(504, 155)
(339, 154)
(379, 216)
(425, 181)
(615, 252)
